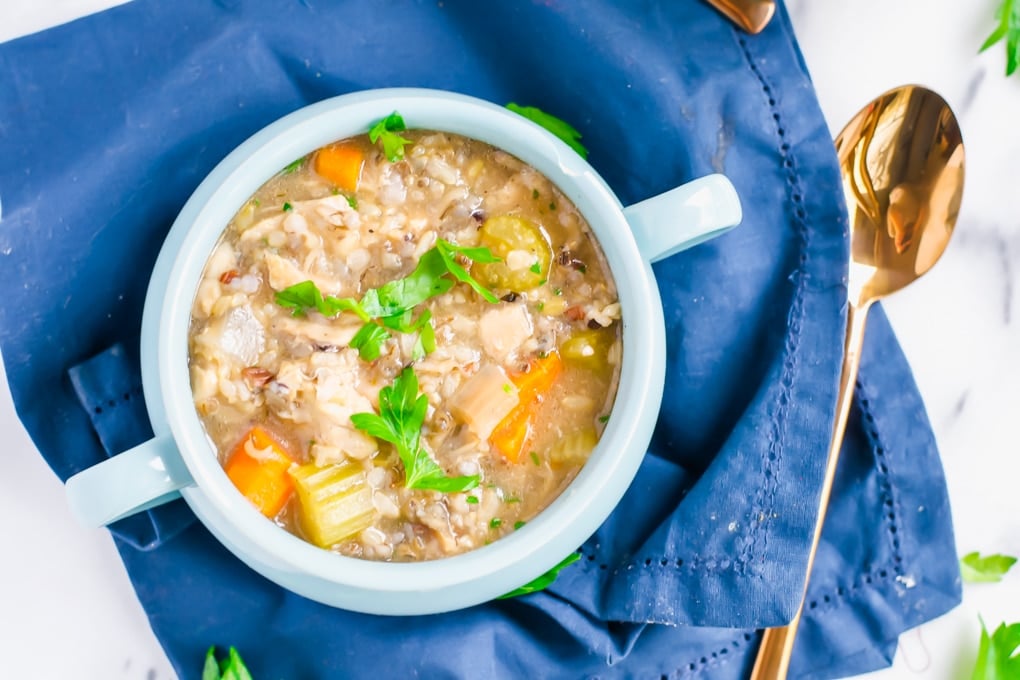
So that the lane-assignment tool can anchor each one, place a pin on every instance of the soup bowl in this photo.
(181, 461)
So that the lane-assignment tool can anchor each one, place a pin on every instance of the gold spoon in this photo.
(901, 159)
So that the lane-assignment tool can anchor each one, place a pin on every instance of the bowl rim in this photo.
(446, 583)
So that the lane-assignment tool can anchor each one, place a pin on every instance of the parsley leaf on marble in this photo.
(386, 130)
(988, 569)
(562, 129)
(1008, 16)
(230, 668)
(399, 421)
(545, 580)
(998, 654)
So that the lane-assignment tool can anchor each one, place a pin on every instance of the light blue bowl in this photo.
(181, 460)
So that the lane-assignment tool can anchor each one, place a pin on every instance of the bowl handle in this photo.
(684, 217)
(138, 479)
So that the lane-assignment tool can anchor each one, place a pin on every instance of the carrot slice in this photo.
(512, 433)
(341, 164)
(262, 478)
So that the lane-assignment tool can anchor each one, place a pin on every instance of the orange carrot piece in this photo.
(540, 376)
(512, 433)
(341, 164)
(264, 480)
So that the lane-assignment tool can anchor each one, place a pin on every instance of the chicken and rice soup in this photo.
(405, 345)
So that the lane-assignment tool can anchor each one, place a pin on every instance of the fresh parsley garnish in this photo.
(495, 523)
(1008, 16)
(401, 415)
(386, 130)
(988, 569)
(558, 127)
(518, 524)
(545, 580)
(369, 341)
(998, 657)
(473, 500)
(536, 268)
(287, 207)
(293, 167)
(230, 668)
(534, 458)
(603, 419)
(392, 304)
(352, 201)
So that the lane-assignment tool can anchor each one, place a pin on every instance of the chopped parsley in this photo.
(545, 580)
(399, 421)
(293, 167)
(352, 201)
(518, 524)
(557, 291)
(473, 500)
(557, 126)
(508, 388)
(287, 207)
(534, 458)
(495, 523)
(534, 194)
(386, 130)
(552, 206)
(603, 419)
(536, 268)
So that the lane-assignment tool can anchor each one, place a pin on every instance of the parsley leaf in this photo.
(989, 569)
(386, 130)
(1008, 16)
(293, 167)
(393, 303)
(558, 127)
(401, 415)
(369, 341)
(997, 653)
(543, 581)
(230, 668)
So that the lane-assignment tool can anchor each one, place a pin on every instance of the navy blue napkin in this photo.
(107, 125)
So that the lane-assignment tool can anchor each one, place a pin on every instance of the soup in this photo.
(405, 345)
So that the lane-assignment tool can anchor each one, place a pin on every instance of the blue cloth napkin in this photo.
(107, 125)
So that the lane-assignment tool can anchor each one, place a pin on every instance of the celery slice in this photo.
(336, 502)
(574, 447)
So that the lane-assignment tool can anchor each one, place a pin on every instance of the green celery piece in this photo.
(543, 581)
(988, 569)
(562, 129)
(336, 502)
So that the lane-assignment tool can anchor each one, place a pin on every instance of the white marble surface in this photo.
(959, 327)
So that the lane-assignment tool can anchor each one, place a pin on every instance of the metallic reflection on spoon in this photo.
(902, 163)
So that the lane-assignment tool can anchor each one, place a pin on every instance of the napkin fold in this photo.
(110, 122)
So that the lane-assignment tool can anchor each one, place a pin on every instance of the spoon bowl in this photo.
(902, 163)
(901, 158)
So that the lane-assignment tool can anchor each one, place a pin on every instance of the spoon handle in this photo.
(773, 660)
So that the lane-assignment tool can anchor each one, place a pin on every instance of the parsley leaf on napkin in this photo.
(1008, 15)
(997, 654)
(230, 668)
(543, 581)
(988, 569)
(561, 128)
(401, 415)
